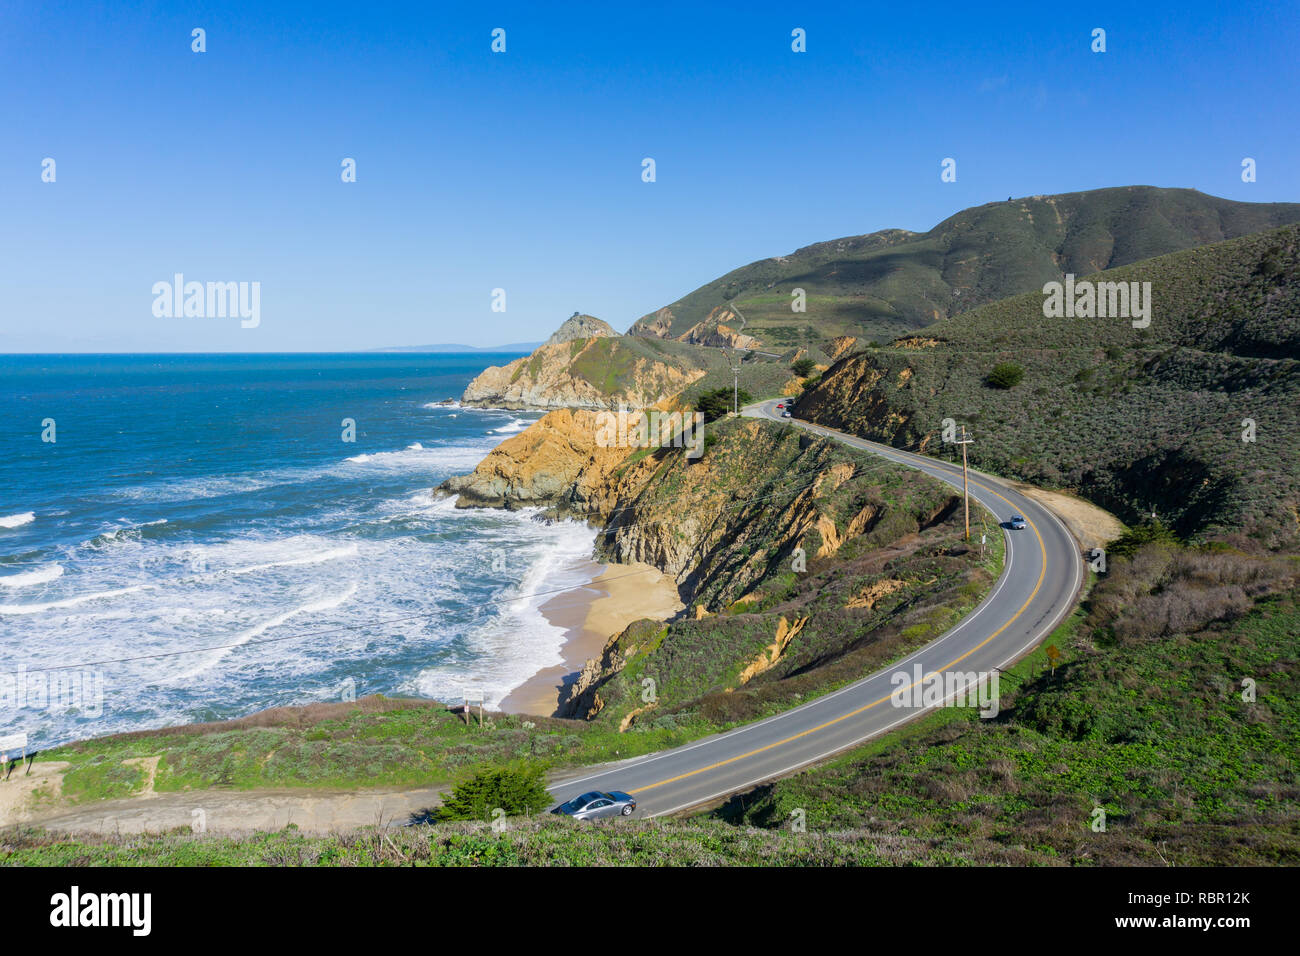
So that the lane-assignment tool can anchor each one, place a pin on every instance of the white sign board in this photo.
(13, 743)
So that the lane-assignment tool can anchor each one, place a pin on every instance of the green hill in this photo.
(1134, 419)
(888, 283)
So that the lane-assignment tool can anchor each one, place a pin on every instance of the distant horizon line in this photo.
(409, 350)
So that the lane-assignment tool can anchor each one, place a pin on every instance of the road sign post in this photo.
(8, 745)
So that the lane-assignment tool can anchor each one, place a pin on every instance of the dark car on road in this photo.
(598, 804)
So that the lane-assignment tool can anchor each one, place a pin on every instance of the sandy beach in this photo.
(617, 595)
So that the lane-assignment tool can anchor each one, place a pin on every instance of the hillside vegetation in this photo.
(1134, 419)
(1175, 709)
(892, 282)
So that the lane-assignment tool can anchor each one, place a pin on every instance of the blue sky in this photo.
(522, 170)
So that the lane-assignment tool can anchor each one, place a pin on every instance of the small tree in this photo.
(516, 789)
(1006, 375)
(803, 368)
(718, 402)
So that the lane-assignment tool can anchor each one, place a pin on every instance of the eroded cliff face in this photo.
(721, 328)
(791, 550)
(602, 372)
(735, 528)
(555, 462)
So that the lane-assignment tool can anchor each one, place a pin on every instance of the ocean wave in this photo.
(326, 603)
(28, 578)
(518, 641)
(192, 489)
(314, 557)
(417, 457)
(127, 533)
(515, 426)
(18, 520)
(72, 601)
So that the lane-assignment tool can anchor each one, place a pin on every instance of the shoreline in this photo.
(616, 595)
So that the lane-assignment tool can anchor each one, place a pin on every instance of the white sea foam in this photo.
(18, 520)
(28, 578)
(417, 458)
(518, 640)
(314, 557)
(73, 601)
(323, 603)
(517, 425)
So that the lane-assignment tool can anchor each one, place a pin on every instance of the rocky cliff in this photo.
(579, 326)
(600, 372)
(791, 549)
(555, 462)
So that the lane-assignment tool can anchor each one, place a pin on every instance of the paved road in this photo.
(1038, 587)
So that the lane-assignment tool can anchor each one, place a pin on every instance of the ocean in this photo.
(199, 541)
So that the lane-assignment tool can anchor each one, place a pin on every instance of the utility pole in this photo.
(965, 484)
(735, 381)
(735, 369)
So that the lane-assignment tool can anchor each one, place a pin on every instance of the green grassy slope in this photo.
(888, 283)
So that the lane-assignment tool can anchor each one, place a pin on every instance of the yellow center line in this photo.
(830, 723)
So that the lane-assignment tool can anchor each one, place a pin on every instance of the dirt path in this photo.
(235, 811)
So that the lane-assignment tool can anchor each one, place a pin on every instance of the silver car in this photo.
(1017, 522)
(598, 804)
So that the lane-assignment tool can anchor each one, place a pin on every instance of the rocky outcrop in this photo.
(841, 346)
(555, 462)
(579, 326)
(770, 655)
(605, 371)
(720, 329)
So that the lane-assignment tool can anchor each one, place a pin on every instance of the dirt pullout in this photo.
(22, 792)
(227, 811)
(1091, 526)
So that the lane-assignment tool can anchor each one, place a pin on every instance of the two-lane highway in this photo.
(1039, 584)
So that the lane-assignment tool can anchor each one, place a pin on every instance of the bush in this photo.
(518, 789)
(803, 368)
(718, 403)
(1006, 375)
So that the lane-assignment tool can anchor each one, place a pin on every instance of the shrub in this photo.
(1005, 375)
(717, 403)
(518, 789)
(803, 368)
